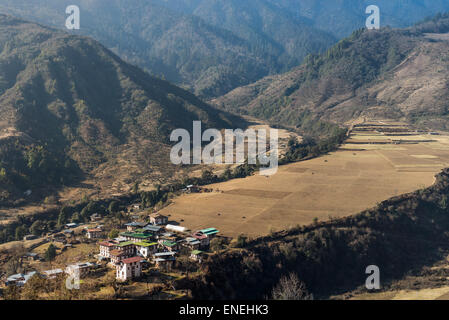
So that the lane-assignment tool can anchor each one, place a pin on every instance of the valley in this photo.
(372, 166)
(89, 177)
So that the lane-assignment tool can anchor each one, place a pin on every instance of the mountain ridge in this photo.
(390, 73)
(82, 106)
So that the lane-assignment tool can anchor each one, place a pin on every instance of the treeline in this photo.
(310, 147)
(29, 167)
(435, 24)
(400, 235)
(55, 220)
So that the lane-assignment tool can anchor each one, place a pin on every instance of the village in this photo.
(147, 241)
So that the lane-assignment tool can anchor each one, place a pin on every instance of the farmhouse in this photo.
(51, 274)
(164, 260)
(197, 255)
(80, 269)
(134, 225)
(117, 255)
(129, 268)
(193, 189)
(192, 243)
(158, 219)
(146, 249)
(19, 279)
(136, 237)
(94, 233)
(120, 239)
(210, 232)
(202, 238)
(155, 230)
(171, 227)
(106, 247)
(168, 245)
(127, 247)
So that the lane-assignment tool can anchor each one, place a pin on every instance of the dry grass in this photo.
(339, 184)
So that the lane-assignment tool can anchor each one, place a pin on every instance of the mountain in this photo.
(196, 49)
(389, 73)
(341, 18)
(70, 107)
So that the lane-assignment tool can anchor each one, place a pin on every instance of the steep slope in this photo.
(290, 37)
(387, 73)
(198, 51)
(69, 106)
(341, 18)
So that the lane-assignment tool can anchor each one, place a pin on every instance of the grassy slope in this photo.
(400, 235)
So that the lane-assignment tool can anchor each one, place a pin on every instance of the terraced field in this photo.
(342, 183)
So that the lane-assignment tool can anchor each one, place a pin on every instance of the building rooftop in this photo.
(209, 231)
(124, 244)
(136, 224)
(146, 244)
(156, 214)
(152, 228)
(107, 244)
(53, 271)
(164, 259)
(192, 241)
(71, 225)
(168, 243)
(164, 254)
(132, 259)
(196, 252)
(199, 235)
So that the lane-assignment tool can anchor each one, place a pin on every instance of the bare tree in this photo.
(14, 264)
(291, 288)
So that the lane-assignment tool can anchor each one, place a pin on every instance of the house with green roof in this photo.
(146, 249)
(197, 255)
(169, 245)
(210, 232)
(126, 247)
(136, 237)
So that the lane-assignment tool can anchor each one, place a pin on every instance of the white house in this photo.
(106, 247)
(129, 268)
(51, 274)
(94, 233)
(80, 269)
(158, 219)
(146, 249)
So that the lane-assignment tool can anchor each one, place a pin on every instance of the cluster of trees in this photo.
(55, 220)
(29, 167)
(23, 226)
(436, 24)
(310, 147)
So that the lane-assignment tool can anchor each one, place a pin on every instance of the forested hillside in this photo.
(68, 105)
(390, 73)
(198, 51)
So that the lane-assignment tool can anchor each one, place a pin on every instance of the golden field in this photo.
(339, 184)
